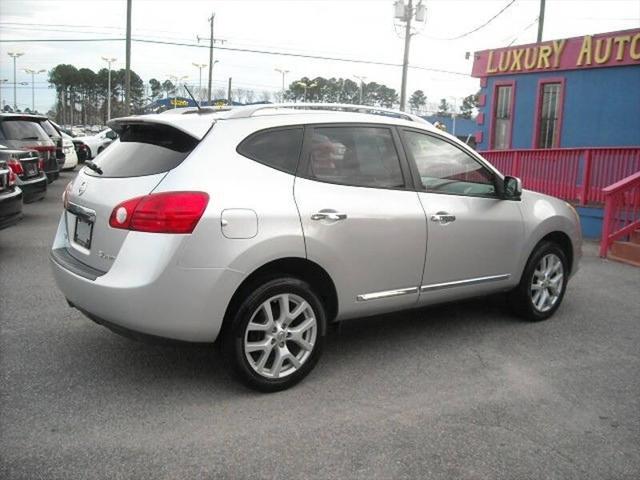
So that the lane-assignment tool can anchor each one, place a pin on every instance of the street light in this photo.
(283, 72)
(109, 61)
(15, 55)
(306, 86)
(406, 13)
(176, 81)
(362, 79)
(33, 74)
(200, 66)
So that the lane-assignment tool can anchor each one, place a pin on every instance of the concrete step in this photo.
(627, 252)
(635, 236)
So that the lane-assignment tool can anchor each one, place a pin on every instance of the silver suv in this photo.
(260, 226)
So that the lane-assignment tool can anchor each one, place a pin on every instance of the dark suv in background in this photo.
(26, 165)
(10, 197)
(25, 132)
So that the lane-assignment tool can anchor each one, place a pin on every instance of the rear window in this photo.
(144, 150)
(19, 129)
(49, 129)
(275, 148)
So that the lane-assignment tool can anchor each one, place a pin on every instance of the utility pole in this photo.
(541, 20)
(33, 74)
(109, 61)
(211, 42)
(15, 55)
(405, 13)
(362, 79)
(229, 92)
(127, 71)
(283, 72)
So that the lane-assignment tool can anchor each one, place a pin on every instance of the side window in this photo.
(444, 168)
(359, 156)
(275, 148)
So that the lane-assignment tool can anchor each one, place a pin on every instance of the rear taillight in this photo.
(65, 194)
(12, 178)
(15, 166)
(168, 212)
(45, 152)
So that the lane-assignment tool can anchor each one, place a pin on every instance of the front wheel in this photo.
(543, 283)
(276, 335)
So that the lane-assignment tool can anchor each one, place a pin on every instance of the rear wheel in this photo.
(276, 335)
(543, 283)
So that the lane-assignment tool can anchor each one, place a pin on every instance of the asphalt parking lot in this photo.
(460, 391)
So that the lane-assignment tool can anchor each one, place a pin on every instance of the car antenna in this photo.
(192, 97)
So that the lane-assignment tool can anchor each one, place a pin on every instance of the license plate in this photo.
(31, 171)
(84, 230)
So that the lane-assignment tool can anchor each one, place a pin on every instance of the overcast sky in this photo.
(353, 29)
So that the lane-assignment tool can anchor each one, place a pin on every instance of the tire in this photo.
(282, 342)
(525, 300)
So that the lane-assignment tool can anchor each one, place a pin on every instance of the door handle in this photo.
(325, 215)
(443, 218)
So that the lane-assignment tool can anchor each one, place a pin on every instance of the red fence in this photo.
(621, 211)
(574, 174)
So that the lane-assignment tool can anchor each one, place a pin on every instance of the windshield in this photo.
(46, 125)
(21, 129)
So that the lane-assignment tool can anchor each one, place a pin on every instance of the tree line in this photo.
(81, 94)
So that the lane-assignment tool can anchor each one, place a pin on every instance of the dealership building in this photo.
(574, 92)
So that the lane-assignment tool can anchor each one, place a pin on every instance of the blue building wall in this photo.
(601, 107)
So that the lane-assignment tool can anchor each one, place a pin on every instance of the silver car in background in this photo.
(260, 226)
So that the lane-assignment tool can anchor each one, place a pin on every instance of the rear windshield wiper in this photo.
(30, 138)
(93, 167)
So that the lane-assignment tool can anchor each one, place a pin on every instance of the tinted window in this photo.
(144, 150)
(444, 168)
(276, 148)
(360, 156)
(20, 129)
(47, 127)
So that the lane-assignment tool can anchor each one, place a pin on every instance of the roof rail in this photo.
(249, 110)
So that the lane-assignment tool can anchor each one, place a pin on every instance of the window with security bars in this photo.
(548, 121)
(502, 119)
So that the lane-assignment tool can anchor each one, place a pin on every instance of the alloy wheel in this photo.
(280, 336)
(547, 282)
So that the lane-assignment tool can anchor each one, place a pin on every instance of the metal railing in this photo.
(577, 175)
(621, 211)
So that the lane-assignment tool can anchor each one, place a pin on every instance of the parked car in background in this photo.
(261, 225)
(10, 197)
(70, 154)
(24, 132)
(27, 167)
(56, 136)
(89, 146)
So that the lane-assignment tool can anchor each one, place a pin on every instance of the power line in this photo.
(483, 25)
(236, 49)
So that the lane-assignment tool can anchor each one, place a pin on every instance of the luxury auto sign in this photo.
(590, 51)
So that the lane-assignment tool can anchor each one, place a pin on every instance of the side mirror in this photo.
(512, 188)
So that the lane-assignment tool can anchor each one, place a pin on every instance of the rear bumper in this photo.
(34, 189)
(145, 290)
(10, 207)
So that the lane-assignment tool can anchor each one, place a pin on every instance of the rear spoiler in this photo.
(195, 126)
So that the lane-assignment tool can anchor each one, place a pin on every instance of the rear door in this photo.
(361, 220)
(474, 237)
(131, 167)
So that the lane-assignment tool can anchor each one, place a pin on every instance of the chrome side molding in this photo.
(464, 283)
(386, 294)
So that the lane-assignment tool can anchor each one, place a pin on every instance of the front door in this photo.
(474, 237)
(361, 220)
